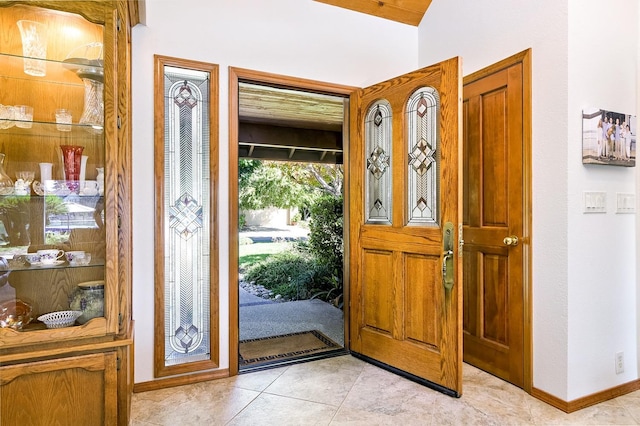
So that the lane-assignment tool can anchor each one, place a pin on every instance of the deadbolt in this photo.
(511, 240)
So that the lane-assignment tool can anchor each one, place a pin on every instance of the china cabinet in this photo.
(65, 217)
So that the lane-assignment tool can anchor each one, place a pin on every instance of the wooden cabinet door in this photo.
(80, 390)
(405, 211)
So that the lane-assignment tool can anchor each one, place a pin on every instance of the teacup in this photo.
(80, 261)
(50, 256)
(32, 257)
(74, 255)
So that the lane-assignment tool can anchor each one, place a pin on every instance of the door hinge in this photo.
(119, 121)
(118, 363)
(120, 319)
(118, 23)
(460, 240)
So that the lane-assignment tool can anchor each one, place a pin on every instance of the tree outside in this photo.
(312, 268)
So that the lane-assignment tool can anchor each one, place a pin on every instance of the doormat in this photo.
(254, 351)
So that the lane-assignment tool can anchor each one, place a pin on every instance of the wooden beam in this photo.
(263, 134)
(404, 11)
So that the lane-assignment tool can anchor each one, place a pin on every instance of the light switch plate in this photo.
(595, 202)
(625, 203)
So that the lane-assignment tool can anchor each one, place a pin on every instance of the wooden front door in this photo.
(496, 220)
(405, 211)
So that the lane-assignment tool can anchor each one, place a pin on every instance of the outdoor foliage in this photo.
(291, 274)
(264, 184)
(315, 268)
(325, 233)
(269, 185)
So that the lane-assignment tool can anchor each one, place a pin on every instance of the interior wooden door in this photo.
(496, 220)
(405, 210)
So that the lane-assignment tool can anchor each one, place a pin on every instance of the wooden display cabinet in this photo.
(79, 373)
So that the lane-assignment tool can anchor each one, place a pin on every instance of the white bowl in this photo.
(60, 319)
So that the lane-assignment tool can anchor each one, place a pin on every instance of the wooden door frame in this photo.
(236, 75)
(523, 58)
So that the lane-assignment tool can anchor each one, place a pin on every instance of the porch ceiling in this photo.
(289, 125)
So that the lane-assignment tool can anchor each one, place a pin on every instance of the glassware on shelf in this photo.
(23, 182)
(45, 175)
(72, 158)
(7, 116)
(45, 171)
(63, 120)
(83, 170)
(6, 184)
(15, 314)
(34, 47)
(93, 114)
(87, 62)
(100, 180)
(23, 116)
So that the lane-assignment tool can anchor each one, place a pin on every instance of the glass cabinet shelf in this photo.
(65, 72)
(15, 266)
(48, 129)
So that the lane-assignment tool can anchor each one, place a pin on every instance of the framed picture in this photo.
(608, 138)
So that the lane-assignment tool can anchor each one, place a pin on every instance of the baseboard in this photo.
(180, 380)
(586, 401)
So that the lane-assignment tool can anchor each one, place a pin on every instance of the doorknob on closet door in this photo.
(511, 240)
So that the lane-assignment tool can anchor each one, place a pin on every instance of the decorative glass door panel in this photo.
(378, 163)
(423, 109)
(185, 218)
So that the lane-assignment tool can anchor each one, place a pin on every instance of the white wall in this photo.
(583, 265)
(297, 38)
(602, 247)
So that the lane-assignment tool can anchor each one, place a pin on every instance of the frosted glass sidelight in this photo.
(187, 216)
(422, 118)
(378, 133)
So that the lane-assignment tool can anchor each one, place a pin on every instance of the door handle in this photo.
(447, 270)
(447, 256)
(511, 240)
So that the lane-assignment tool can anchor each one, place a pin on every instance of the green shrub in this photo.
(314, 268)
(283, 273)
(326, 243)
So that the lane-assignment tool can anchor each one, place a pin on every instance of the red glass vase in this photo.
(72, 158)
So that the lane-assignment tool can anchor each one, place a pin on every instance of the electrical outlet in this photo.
(620, 363)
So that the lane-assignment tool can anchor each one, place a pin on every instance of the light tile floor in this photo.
(346, 390)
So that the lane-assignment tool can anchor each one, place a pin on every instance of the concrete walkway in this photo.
(263, 317)
(275, 319)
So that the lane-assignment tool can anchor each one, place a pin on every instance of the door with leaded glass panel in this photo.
(406, 212)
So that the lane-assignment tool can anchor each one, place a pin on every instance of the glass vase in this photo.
(6, 184)
(72, 159)
(93, 114)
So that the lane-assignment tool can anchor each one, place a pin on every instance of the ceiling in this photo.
(265, 104)
(404, 11)
(289, 125)
(295, 125)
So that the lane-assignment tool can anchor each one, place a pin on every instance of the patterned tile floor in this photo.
(345, 390)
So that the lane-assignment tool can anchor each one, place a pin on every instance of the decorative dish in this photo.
(15, 314)
(60, 319)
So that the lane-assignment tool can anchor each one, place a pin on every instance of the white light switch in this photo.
(595, 202)
(625, 203)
